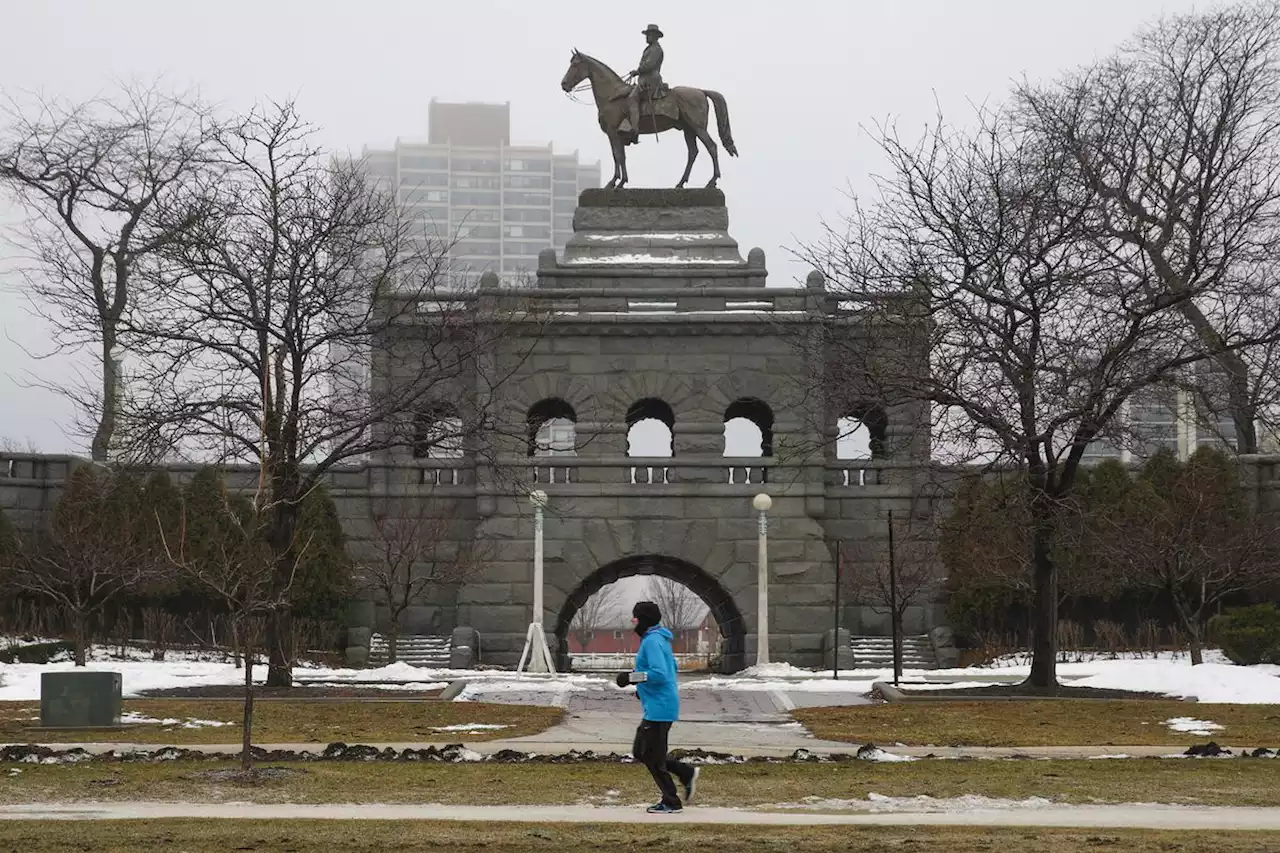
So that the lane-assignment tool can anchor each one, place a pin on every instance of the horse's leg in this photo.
(621, 157)
(616, 145)
(691, 140)
(710, 145)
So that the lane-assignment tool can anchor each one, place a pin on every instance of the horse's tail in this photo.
(722, 121)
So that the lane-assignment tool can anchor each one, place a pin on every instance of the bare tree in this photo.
(305, 321)
(415, 550)
(221, 546)
(681, 607)
(1177, 137)
(599, 612)
(105, 185)
(93, 553)
(894, 574)
(979, 288)
(1185, 530)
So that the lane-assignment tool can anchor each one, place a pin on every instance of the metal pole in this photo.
(537, 566)
(835, 640)
(762, 503)
(894, 621)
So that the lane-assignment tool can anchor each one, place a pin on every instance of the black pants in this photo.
(650, 748)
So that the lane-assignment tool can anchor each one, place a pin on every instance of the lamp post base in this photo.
(536, 654)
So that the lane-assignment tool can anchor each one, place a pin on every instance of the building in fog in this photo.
(1168, 418)
(502, 203)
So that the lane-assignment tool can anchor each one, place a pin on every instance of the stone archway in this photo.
(733, 628)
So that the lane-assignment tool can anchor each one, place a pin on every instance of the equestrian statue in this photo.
(648, 105)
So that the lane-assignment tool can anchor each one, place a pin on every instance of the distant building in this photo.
(622, 639)
(1165, 418)
(502, 203)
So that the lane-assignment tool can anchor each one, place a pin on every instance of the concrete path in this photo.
(1135, 816)
(735, 721)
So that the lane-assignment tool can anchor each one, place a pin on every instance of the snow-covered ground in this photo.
(1217, 680)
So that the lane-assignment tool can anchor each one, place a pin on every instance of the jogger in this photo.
(654, 677)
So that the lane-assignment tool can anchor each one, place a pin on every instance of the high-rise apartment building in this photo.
(498, 204)
(1167, 418)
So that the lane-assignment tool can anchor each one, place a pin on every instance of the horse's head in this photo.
(577, 72)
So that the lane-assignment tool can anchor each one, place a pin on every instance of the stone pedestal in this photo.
(358, 639)
(651, 227)
(80, 700)
(464, 648)
(836, 650)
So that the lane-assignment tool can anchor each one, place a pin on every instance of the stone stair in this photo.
(877, 652)
(413, 649)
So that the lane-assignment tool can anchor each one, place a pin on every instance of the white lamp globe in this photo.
(762, 502)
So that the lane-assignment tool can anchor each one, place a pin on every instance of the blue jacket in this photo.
(658, 692)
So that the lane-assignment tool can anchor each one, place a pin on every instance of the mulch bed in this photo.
(1020, 691)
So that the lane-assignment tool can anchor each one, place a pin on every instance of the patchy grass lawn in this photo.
(1048, 722)
(1246, 782)
(282, 721)
(212, 836)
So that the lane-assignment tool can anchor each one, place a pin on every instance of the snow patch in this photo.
(1192, 726)
(657, 260)
(923, 803)
(1207, 682)
(469, 727)
(876, 754)
(188, 723)
(777, 670)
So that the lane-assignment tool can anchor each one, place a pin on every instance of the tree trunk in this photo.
(1197, 647)
(1191, 624)
(279, 652)
(246, 740)
(279, 634)
(1044, 635)
(100, 448)
(80, 638)
(393, 640)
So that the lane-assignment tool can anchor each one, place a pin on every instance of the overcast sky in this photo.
(801, 79)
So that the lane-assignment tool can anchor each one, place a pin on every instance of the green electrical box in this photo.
(79, 700)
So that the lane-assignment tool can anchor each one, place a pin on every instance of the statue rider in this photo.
(648, 76)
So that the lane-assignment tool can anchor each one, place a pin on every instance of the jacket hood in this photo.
(660, 631)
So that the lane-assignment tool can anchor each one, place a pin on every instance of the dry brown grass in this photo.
(284, 721)
(211, 836)
(1048, 722)
(1250, 782)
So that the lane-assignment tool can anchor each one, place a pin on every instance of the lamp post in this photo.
(762, 504)
(539, 500)
(536, 653)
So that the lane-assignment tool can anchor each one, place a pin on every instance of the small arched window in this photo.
(651, 427)
(748, 428)
(863, 433)
(552, 428)
(437, 432)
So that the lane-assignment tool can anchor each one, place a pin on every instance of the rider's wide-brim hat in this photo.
(652, 28)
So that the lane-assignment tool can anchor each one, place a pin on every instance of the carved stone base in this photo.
(664, 228)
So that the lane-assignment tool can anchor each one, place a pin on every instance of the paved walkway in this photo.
(1101, 817)
(745, 722)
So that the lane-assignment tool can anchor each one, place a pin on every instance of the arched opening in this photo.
(748, 428)
(720, 606)
(552, 428)
(437, 432)
(651, 427)
(863, 434)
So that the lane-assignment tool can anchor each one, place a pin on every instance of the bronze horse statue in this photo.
(683, 107)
